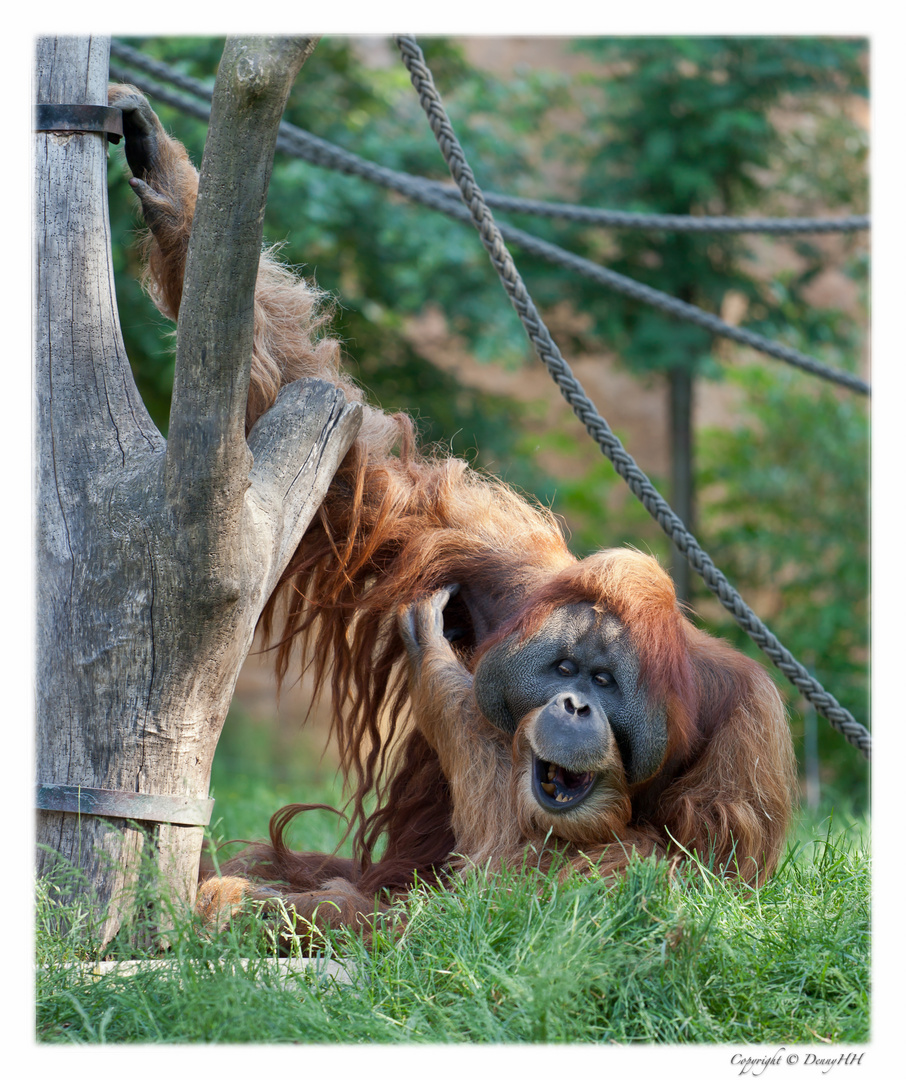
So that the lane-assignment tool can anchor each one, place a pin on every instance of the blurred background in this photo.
(768, 465)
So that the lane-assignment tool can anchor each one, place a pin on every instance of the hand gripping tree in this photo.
(155, 557)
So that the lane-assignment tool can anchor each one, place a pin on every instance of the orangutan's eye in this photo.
(604, 678)
(566, 668)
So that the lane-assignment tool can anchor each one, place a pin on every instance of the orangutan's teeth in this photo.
(551, 770)
(563, 798)
(549, 788)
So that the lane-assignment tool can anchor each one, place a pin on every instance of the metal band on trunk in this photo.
(80, 118)
(102, 802)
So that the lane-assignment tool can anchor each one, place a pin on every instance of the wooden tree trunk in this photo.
(154, 558)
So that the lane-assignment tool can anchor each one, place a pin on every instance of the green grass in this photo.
(498, 960)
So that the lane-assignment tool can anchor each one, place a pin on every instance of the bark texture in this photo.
(154, 558)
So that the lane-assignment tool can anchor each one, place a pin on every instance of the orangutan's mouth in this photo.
(556, 788)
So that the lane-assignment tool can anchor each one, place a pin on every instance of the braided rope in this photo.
(624, 219)
(613, 219)
(839, 717)
(679, 309)
(302, 144)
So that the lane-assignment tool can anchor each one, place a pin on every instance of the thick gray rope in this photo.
(302, 144)
(679, 309)
(613, 219)
(625, 219)
(824, 703)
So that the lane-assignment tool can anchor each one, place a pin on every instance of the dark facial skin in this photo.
(579, 672)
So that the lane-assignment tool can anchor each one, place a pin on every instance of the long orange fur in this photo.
(396, 525)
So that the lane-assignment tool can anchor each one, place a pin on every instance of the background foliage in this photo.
(703, 125)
